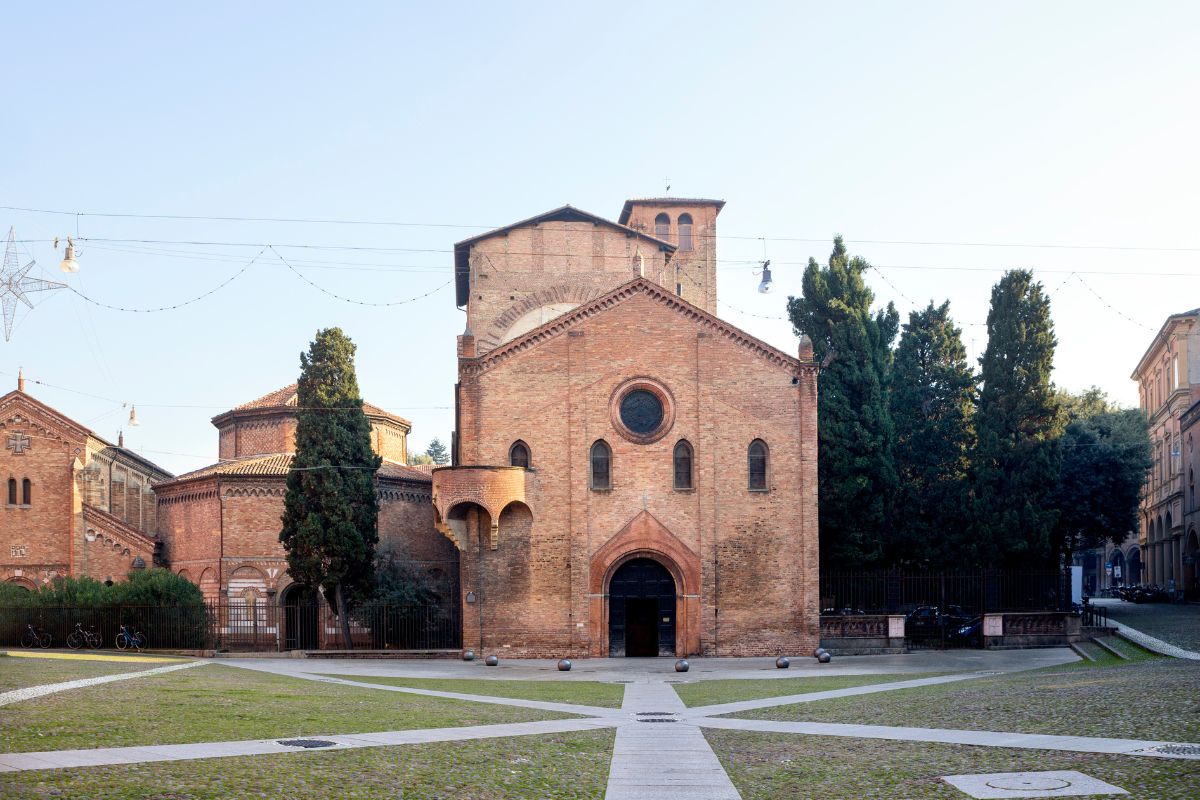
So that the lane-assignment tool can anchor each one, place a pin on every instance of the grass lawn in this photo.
(708, 693)
(586, 693)
(21, 673)
(1151, 699)
(769, 766)
(216, 703)
(570, 766)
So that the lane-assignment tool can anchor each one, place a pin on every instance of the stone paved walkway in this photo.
(650, 759)
(31, 692)
(1175, 624)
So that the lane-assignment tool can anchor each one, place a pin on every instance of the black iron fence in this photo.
(245, 626)
(983, 592)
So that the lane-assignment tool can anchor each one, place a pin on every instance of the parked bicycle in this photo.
(83, 636)
(130, 639)
(35, 637)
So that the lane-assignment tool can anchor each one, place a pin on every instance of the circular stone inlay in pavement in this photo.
(1175, 749)
(1026, 783)
(309, 743)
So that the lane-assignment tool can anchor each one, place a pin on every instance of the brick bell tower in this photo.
(690, 225)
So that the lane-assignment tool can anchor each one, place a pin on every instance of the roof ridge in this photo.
(619, 294)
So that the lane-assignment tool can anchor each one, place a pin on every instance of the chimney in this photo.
(806, 348)
(120, 438)
(21, 380)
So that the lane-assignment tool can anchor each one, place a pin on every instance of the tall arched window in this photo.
(757, 464)
(683, 465)
(12, 491)
(685, 231)
(518, 454)
(662, 226)
(26, 492)
(601, 465)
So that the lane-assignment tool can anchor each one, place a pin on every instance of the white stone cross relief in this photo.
(19, 443)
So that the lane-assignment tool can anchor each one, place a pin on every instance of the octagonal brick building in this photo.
(631, 475)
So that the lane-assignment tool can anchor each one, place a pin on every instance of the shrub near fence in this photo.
(240, 626)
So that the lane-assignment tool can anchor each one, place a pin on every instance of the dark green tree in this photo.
(932, 401)
(330, 509)
(437, 451)
(1105, 455)
(856, 476)
(1018, 423)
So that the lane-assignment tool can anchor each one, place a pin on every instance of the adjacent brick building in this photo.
(632, 475)
(73, 503)
(219, 525)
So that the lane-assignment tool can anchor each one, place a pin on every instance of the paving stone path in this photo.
(31, 692)
(660, 750)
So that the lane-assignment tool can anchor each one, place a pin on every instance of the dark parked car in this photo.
(931, 622)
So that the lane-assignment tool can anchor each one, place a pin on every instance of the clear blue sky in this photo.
(1013, 123)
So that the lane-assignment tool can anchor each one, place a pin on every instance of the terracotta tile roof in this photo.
(426, 469)
(286, 398)
(278, 464)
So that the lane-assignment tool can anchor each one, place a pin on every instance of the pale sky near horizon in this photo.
(1071, 125)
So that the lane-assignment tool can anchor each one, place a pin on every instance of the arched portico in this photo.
(646, 539)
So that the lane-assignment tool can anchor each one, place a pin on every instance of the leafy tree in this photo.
(932, 400)
(1018, 424)
(437, 451)
(419, 458)
(856, 475)
(398, 584)
(1106, 452)
(330, 509)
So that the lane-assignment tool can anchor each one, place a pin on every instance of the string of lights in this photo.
(319, 288)
(696, 234)
(174, 306)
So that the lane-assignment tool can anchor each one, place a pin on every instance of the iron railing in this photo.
(984, 592)
(246, 626)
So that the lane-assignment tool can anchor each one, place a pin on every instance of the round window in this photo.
(641, 411)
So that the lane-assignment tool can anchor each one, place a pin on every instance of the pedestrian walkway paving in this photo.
(91, 656)
(31, 692)
(659, 755)
(1154, 645)
(659, 752)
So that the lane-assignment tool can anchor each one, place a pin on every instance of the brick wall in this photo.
(35, 539)
(757, 550)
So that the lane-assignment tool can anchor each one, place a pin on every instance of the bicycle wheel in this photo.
(93, 640)
(139, 640)
(122, 641)
(28, 639)
(44, 640)
(74, 640)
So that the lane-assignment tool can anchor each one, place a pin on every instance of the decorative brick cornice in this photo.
(116, 529)
(636, 287)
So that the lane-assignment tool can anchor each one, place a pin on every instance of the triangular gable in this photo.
(462, 268)
(116, 527)
(636, 287)
(42, 415)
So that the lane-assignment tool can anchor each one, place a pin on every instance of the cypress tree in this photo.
(855, 473)
(932, 400)
(330, 509)
(1018, 424)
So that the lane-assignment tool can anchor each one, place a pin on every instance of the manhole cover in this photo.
(658, 719)
(1027, 783)
(307, 743)
(655, 714)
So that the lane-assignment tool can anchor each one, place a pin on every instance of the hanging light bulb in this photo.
(766, 285)
(69, 264)
(133, 422)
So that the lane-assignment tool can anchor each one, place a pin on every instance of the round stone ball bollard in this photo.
(564, 665)
(468, 655)
(682, 665)
(817, 652)
(783, 662)
(491, 661)
(824, 658)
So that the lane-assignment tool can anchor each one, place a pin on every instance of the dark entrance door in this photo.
(641, 610)
(300, 618)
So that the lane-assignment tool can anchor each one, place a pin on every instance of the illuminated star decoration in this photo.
(15, 283)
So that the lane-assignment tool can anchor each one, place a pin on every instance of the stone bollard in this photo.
(682, 665)
(783, 662)
(564, 665)
(491, 661)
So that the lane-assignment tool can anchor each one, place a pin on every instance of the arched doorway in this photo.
(300, 618)
(1135, 567)
(641, 610)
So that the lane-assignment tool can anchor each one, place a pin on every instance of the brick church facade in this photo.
(73, 503)
(632, 475)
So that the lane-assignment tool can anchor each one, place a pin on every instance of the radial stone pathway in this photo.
(658, 755)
